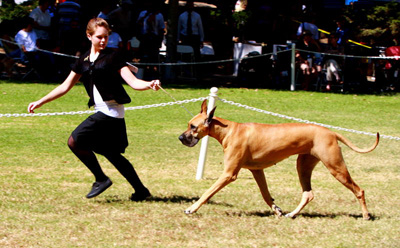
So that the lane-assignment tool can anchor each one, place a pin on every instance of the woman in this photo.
(102, 71)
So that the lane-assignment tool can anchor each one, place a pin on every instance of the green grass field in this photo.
(43, 186)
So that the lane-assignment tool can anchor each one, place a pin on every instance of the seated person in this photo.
(28, 42)
(27, 38)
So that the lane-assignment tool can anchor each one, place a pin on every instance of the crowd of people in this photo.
(139, 28)
(59, 28)
(310, 59)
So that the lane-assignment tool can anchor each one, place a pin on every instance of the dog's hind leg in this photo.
(262, 184)
(338, 169)
(305, 165)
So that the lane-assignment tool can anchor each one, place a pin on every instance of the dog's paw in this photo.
(277, 210)
(188, 211)
(290, 216)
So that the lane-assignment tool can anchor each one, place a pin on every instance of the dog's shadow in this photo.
(304, 215)
(183, 199)
(179, 199)
(335, 215)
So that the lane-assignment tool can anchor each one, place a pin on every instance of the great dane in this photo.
(256, 146)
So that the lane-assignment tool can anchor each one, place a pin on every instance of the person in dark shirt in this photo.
(102, 71)
(68, 23)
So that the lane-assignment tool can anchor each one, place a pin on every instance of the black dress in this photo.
(101, 133)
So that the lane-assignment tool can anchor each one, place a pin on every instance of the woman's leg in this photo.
(89, 159)
(127, 170)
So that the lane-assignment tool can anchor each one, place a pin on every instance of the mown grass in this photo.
(42, 184)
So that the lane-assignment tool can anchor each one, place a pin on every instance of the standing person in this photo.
(150, 34)
(342, 31)
(42, 23)
(102, 71)
(68, 22)
(190, 30)
(305, 60)
(123, 19)
(309, 24)
(151, 31)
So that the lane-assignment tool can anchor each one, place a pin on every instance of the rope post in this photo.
(292, 67)
(204, 142)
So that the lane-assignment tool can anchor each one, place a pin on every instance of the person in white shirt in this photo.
(42, 22)
(26, 37)
(115, 41)
(27, 40)
(193, 35)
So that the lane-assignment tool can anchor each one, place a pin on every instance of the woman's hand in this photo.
(155, 85)
(34, 105)
(59, 91)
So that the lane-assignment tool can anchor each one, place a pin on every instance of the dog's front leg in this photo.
(227, 177)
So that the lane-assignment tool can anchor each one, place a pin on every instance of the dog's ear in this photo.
(204, 107)
(210, 116)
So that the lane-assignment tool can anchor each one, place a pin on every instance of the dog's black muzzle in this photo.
(188, 140)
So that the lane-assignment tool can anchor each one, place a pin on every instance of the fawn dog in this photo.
(256, 146)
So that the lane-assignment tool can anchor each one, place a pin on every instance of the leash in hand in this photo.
(135, 70)
(175, 100)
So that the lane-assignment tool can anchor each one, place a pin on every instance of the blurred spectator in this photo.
(305, 63)
(114, 39)
(332, 63)
(27, 40)
(342, 32)
(42, 23)
(69, 28)
(151, 32)
(151, 27)
(11, 49)
(190, 29)
(105, 9)
(122, 17)
(52, 8)
(309, 24)
(26, 37)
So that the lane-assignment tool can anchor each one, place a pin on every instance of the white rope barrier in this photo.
(213, 94)
(306, 121)
(351, 56)
(92, 111)
(223, 61)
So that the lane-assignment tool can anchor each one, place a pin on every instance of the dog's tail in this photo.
(355, 148)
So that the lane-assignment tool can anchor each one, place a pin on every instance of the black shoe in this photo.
(98, 188)
(140, 196)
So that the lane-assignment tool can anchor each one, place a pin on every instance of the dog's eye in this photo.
(193, 127)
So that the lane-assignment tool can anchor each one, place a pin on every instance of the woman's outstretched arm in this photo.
(59, 91)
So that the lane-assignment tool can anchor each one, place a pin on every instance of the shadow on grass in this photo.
(335, 215)
(184, 199)
(250, 213)
(167, 199)
(305, 215)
